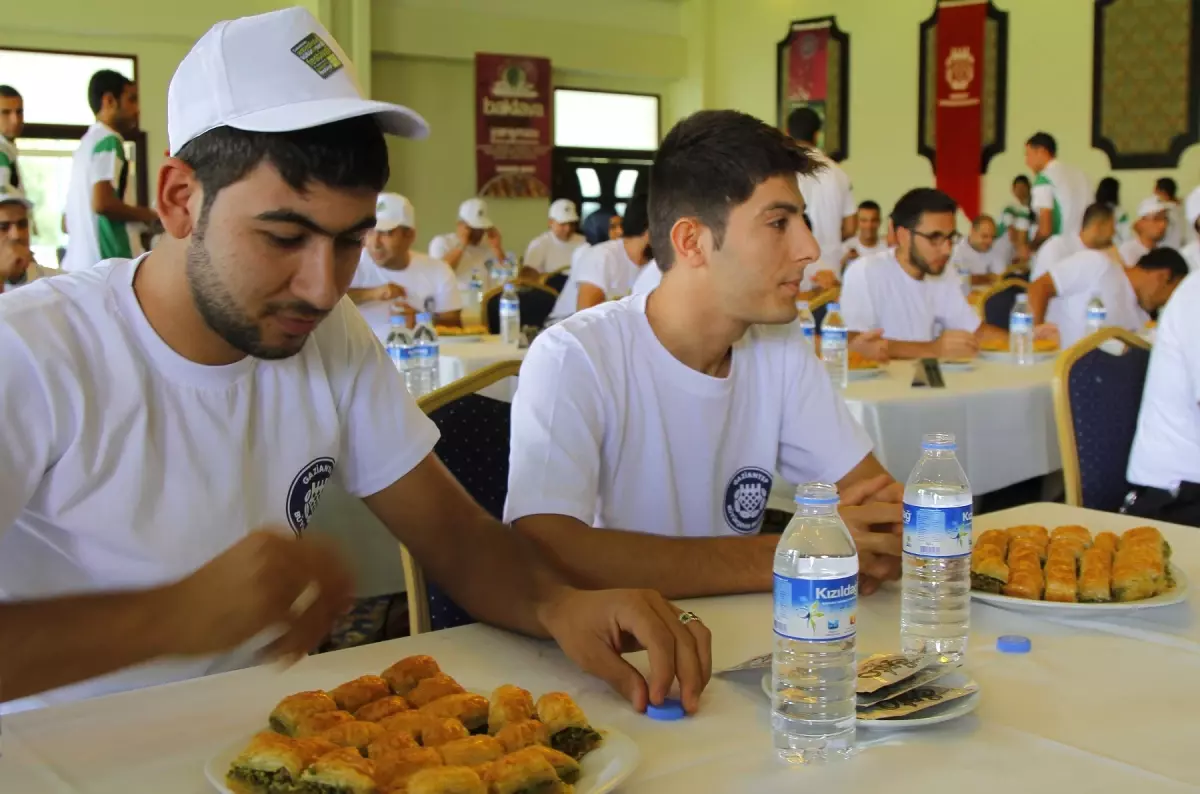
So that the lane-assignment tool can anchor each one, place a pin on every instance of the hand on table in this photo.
(957, 344)
(871, 346)
(594, 627)
(1046, 331)
(389, 291)
(872, 511)
(825, 280)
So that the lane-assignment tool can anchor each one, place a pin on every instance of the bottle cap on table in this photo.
(669, 711)
(1013, 643)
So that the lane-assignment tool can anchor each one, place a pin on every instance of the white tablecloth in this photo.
(1089, 710)
(460, 359)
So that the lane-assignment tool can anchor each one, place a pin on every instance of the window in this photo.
(599, 120)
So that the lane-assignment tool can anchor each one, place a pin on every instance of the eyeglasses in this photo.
(937, 239)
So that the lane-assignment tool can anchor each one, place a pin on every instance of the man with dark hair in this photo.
(1061, 192)
(172, 421)
(868, 240)
(96, 212)
(1098, 234)
(17, 266)
(1016, 225)
(901, 293)
(1166, 190)
(608, 270)
(1129, 294)
(12, 123)
(828, 197)
(647, 431)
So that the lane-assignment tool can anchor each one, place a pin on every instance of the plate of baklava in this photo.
(415, 730)
(1071, 570)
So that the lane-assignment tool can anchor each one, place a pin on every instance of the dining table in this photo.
(1100, 704)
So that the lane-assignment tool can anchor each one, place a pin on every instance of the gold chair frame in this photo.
(998, 287)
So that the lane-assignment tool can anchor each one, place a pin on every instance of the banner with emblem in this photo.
(964, 52)
(513, 105)
(813, 71)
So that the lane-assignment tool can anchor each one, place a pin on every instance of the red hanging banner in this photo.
(512, 126)
(808, 66)
(960, 65)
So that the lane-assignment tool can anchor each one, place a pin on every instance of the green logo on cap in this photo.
(313, 50)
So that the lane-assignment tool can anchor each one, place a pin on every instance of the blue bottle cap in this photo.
(669, 711)
(1013, 643)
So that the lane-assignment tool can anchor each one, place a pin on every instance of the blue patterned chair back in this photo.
(999, 305)
(537, 302)
(1104, 393)
(556, 281)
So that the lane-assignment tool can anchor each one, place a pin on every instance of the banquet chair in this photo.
(474, 448)
(818, 305)
(557, 280)
(1097, 391)
(997, 301)
(537, 301)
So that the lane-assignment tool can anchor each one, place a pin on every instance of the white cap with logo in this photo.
(563, 211)
(474, 213)
(393, 210)
(1151, 206)
(14, 195)
(274, 72)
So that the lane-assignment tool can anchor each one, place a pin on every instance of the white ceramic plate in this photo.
(1175, 596)
(865, 374)
(604, 768)
(454, 339)
(1006, 357)
(930, 716)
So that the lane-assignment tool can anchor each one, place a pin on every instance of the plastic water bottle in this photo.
(935, 607)
(807, 324)
(813, 669)
(398, 346)
(474, 294)
(833, 346)
(1097, 315)
(1020, 332)
(424, 355)
(510, 315)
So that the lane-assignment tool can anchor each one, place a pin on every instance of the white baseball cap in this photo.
(392, 210)
(1192, 207)
(1151, 206)
(563, 211)
(14, 195)
(274, 72)
(474, 213)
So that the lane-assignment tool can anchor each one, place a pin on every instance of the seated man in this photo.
(1098, 234)
(867, 240)
(1149, 229)
(391, 275)
(1164, 465)
(170, 422)
(17, 266)
(979, 255)
(904, 294)
(1191, 251)
(551, 250)
(646, 430)
(1129, 294)
(474, 243)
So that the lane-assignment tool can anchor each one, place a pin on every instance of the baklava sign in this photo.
(512, 126)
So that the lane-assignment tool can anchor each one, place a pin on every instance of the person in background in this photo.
(17, 265)
(1129, 294)
(1061, 192)
(97, 216)
(598, 227)
(391, 276)
(1148, 230)
(608, 270)
(867, 239)
(12, 123)
(979, 254)
(828, 197)
(1167, 191)
(552, 250)
(1164, 464)
(901, 293)
(474, 242)
(1016, 225)
(1108, 191)
(1191, 251)
(1099, 229)
(646, 431)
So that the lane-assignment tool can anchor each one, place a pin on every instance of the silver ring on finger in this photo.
(689, 617)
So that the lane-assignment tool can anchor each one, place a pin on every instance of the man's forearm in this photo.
(454, 256)
(120, 212)
(362, 294)
(1039, 299)
(898, 349)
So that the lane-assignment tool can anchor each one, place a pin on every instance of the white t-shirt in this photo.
(568, 299)
(1166, 449)
(877, 293)
(127, 466)
(1132, 251)
(428, 282)
(1176, 223)
(1054, 250)
(473, 262)
(32, 273)
(546, 253)
(93, 238)
(608, 267)
(611, 429)
(1191, 254)
(1066, 192)
(979, 263)
(857, 245)
(9, 174)
(1083, 276)
(828, 199)
(648, 280)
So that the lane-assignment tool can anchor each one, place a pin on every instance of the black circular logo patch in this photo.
(746, 499)
(305, 493)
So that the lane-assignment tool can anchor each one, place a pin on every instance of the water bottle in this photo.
(510, 315)
(935, 605)
(398, 346)
(807, 324)
(424, 356)
(1020, 332)
(1097, 315)
(833, 346)
(813, 670)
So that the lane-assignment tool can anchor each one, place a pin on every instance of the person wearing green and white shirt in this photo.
(96, 212)
(1061, 192)
(1015, 226)
(12, 122)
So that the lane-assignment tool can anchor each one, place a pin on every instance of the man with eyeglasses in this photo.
(904, 294)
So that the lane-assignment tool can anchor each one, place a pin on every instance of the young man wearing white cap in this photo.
(1148, 230)
(552, 250)
(169, 423)
(392, 275)
(17, 265)
(474, 242)
(1061, 192)
(12, 123)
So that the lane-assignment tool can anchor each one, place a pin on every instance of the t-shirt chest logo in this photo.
(305, 493)
(746, 499)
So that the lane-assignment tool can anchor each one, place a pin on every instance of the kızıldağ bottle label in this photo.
(816, 609)
(937, 531)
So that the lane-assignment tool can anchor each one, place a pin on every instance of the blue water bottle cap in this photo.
(424, 317)
(669, 711)
(1013, 643)
(833, 307)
